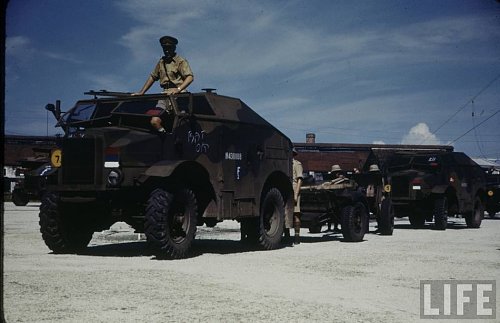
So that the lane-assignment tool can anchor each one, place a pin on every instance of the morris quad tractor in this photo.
(435, 186)
(218, 160)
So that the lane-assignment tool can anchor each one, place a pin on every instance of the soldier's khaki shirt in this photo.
(174, 72)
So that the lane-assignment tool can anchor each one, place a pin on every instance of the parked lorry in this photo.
(218, 160)
(429, 186)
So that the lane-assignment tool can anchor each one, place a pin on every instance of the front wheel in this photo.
(474, 218)
(354, 222)
(170, 224)
(64, 228)
(386, 217)
(272, 219)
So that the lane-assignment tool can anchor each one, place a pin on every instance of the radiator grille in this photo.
(400, 186)
(78, 161)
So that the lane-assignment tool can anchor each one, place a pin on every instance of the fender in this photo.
(163, 168)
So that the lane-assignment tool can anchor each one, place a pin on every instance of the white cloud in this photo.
(17, 45)
(378, 142)
(420, 134)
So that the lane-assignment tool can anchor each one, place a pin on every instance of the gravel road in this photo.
(321, 280)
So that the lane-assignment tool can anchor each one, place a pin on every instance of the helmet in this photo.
(335, 168)
(374, 168)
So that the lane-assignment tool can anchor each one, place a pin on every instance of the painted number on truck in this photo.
(56, 157)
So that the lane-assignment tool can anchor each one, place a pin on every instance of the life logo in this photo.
(458, 299)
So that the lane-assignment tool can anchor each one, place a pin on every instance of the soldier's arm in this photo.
(146, 86)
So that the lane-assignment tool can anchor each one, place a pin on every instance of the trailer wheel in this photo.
(474, 218)
(441, 213)
(354, 222)
(272, 219)
(63, 229)
(19, 197)
(386, 217)
(170, 224)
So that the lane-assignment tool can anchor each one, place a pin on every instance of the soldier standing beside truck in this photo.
(297, 183)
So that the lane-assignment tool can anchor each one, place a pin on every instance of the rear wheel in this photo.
(64, 228)
(386, 217)
(474, 218)
(272, 219)
(354, 222)
(441, 213)
(170, 224)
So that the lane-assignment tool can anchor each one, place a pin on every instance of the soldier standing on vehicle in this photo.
(297, 183)
(173, 72)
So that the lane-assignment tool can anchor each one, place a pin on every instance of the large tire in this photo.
(271, 220)
(386, 217)
(170, 224)
(19, 197)
(354, 222)
(416, 220)
(473, 219)
(63, 228)
(441, 213)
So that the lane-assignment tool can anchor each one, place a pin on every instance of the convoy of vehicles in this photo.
(219, 160)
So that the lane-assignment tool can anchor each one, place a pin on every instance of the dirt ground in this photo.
(321, 280)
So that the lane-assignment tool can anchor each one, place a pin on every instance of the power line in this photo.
(465, 105)
(451, 143)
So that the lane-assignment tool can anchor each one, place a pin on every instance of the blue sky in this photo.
(350, 71)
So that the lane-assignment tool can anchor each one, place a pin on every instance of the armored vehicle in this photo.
(427, 186)
(218, 160)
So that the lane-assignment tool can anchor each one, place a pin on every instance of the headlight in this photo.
(115, 177)
(490, 193)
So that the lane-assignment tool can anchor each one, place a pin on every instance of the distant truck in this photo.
(493, 193)
(429, 186)
(33, 185)
(218, 160)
